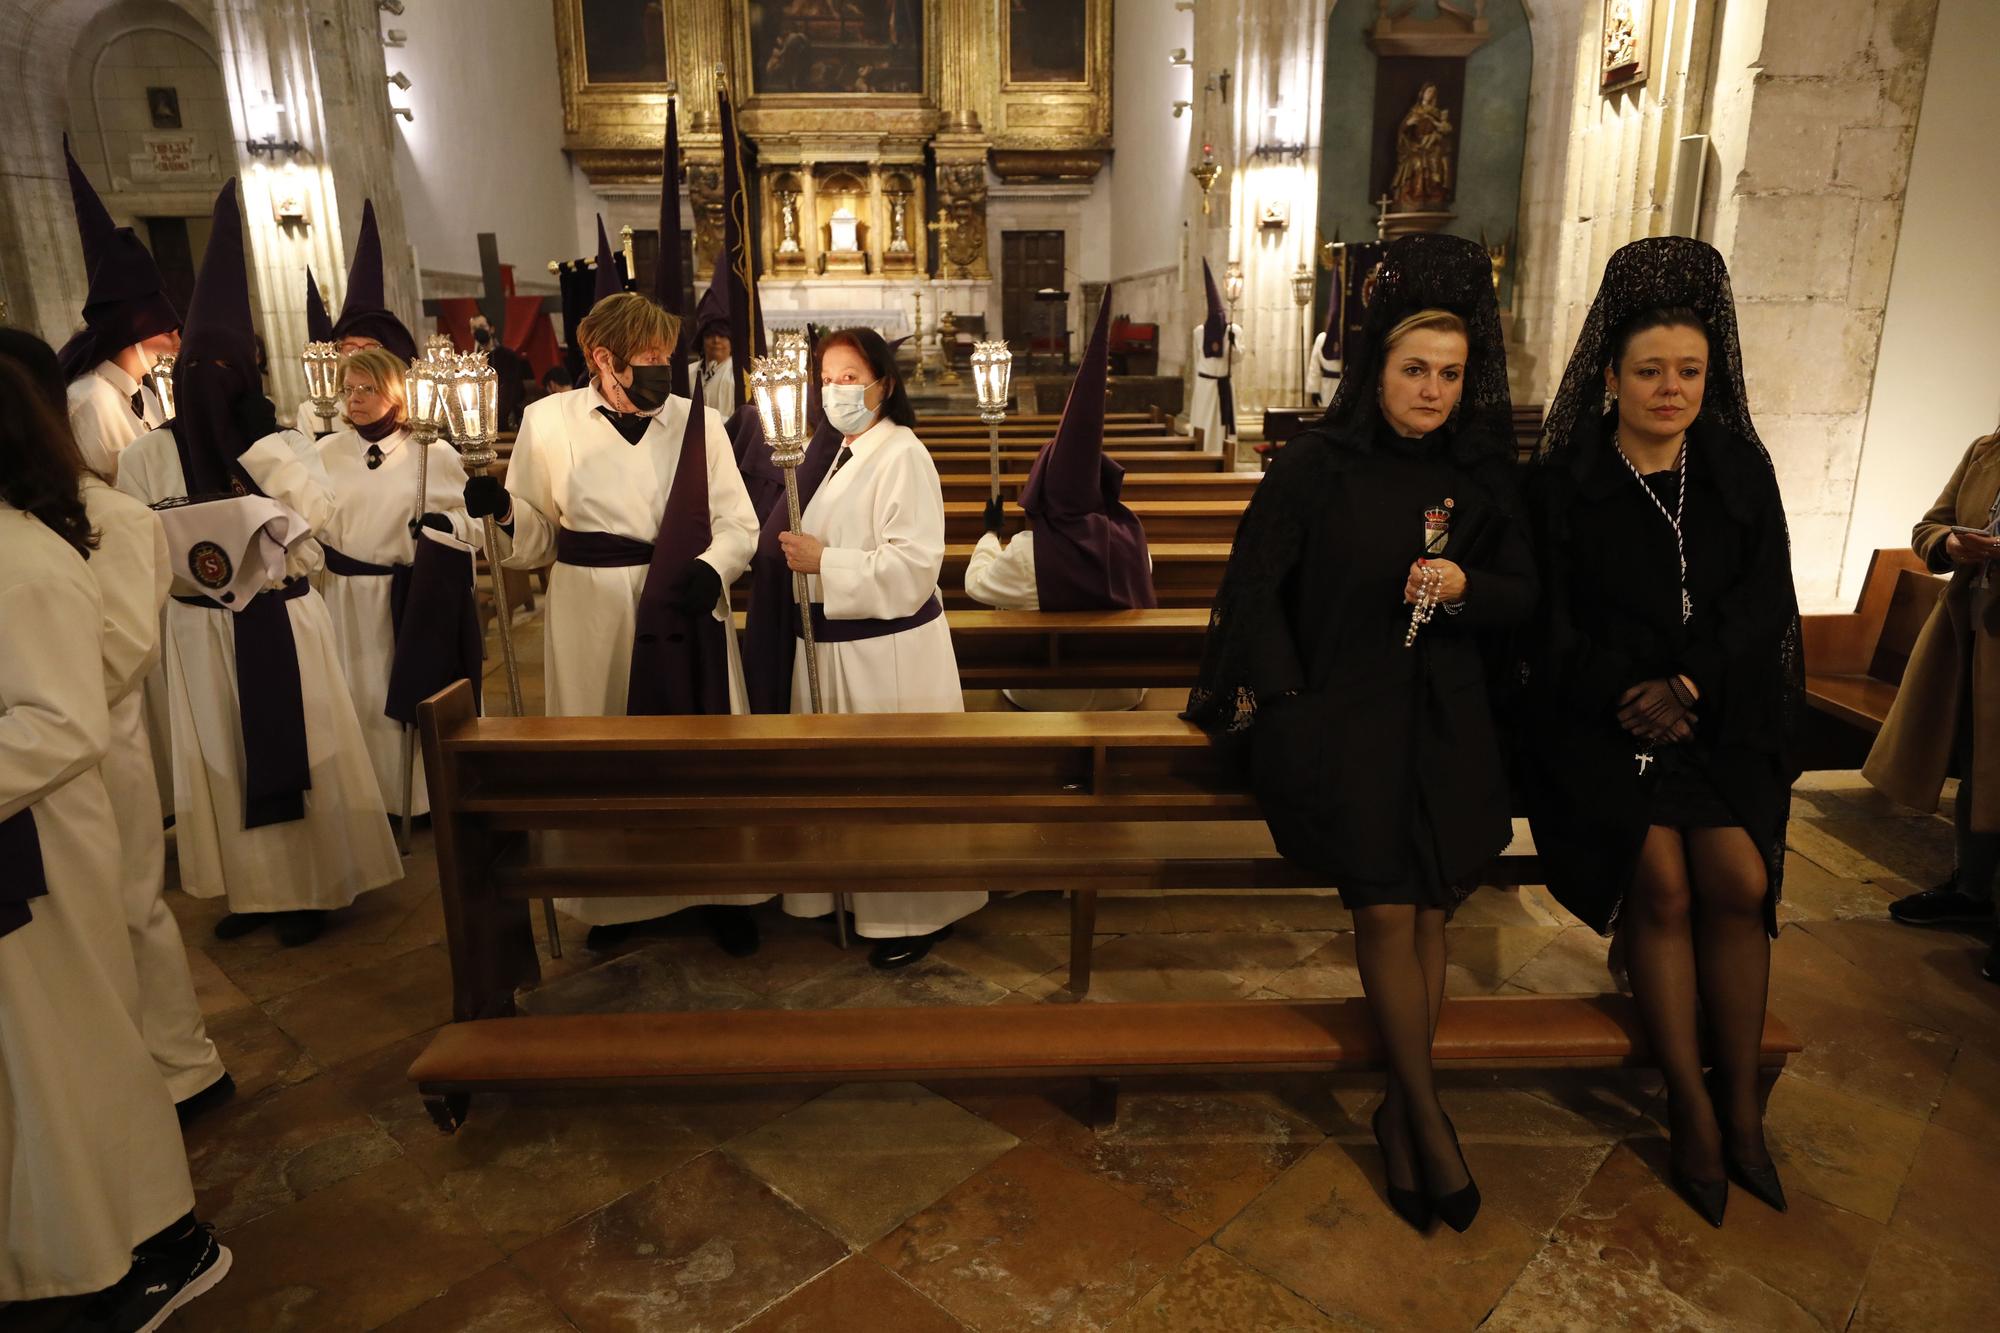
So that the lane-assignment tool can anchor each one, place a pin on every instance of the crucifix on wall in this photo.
(493, 295)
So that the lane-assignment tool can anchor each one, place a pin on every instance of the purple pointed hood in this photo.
(680, 659)
(610, 271)
(712, 310)
(365, 313)
(218, 358)
(319, 326)
(127, 302)
(1090, 549)
(746, 330)
(668, 278)
(1215, 327)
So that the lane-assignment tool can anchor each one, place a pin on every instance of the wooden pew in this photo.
(890, 803)
(1855, 660)
(952, 463)
(1003, 650)
(1185, 574)
(1155, 442)
(965, 487)
(1164, 520)
(1154, 417)
(929, 427)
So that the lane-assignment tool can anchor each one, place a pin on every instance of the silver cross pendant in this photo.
(1645, 758)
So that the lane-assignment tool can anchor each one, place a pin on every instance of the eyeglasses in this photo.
(359, 391)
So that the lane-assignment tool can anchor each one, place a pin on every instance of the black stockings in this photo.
(1696, 948)
(1400, 950)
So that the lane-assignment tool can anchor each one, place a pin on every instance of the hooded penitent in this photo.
(365, 313)
(1090, 549)
(668, 278)
(1214, 325)
(609, 272)
(746, 330)
(680, 658)
(1329, 332)
(319, 325)
(711, 312)
(216, 367)
(127, 303)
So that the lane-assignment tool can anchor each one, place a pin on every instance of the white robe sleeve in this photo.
(532, 544)
(99, 436)
(732, 521)
(899, 573)
(132, 575)
(287, 467)
(1003, 576)
(444, 493)
(138, 469)
(56, 724)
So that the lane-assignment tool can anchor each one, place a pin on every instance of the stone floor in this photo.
(1238, 1207)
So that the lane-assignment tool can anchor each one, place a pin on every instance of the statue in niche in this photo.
(899, 240)
(1621, 36)
(1423, 154)
(788, 222)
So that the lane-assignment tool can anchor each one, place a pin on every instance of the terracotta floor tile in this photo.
(256, 1155)
(1567, 1289)
(699, 1251)
(1935, 969)
(1804, 963)
(1198, 966)
(498, 1300)
(345, 1016)
(212, 987)
(1030, 1243)
(1020, 914)
(1970, 1103)
(352, 1256)
(1762, 1270)
(1529, 905)
(1851, 1153)
(1913, 1286)
(1913, 847)
(1196, 1157)
(1947, 1203)
(1008, 961)
(1327, 973)
(1813, 893)
(1213, 1293)
(866, 1156)
(1862, 1050)
(257, 1052)
(1570, 964)
(1531, 1155)
(1260, 912)
(1325, 1231)
(1019, 1106)
(857, 1296)
(648, 980)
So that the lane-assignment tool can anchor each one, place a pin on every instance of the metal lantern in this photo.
(793, 345)
(1302, 295)
(321, 362)
(779, 386)
(471, 393)
(1232, 283)
(992, 372)
(439, 347)
(1302, 285)
(161, 377)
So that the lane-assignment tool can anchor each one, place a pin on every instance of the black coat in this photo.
(1376, 764)
(1610, 618)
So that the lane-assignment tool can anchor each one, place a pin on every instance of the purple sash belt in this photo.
(345, 565)
(601, 550)
(21, 873)
(854, 631)
(270, 705)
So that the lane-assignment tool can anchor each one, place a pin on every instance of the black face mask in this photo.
(650, 387)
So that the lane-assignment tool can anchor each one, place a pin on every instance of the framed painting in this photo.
(836, 48)
(1626, 37)
(624, 41)
(1055, 82)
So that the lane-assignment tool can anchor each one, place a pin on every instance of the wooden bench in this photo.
(1185, 574)
(952, 464)
(1164, 520)
(1005, 650)
(533, 808)
(1855, 660)
(1155, 442)
(967, 487)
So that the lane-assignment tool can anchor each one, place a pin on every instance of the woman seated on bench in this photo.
(872, 541)
(1371, 745)
(1949, 702)
(1085, 551)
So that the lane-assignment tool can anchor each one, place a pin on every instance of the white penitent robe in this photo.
(102, 419)
(372, 509)
(571, 469)
(1002, 575)
(1205, 404)
(1322, 374)
(716, 386)
(342, 848)
(881, 516)
(91, 1161)
(131, 573)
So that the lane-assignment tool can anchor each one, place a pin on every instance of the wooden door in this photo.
(1029, 261)
(173, 253)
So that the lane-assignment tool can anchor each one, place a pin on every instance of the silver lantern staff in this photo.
(992, 372)
(321, 362)
(161, 377)
(472, 406)
(425, 422)
(780, 387)
(1302, 295)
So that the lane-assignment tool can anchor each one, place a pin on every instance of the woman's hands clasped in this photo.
(1450, 590)
(1659, 711)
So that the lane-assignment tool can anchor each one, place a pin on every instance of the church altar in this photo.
(885, 305)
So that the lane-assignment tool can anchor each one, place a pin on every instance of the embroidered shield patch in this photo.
(210, 565)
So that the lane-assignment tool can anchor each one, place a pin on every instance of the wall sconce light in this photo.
(265, 121)
(1179, 56)
(390, 6)
(273, 145)
(1184, 6)
(1291, 150)
(395, 37)
(401, 80)
(1181, 104)
(404, 112)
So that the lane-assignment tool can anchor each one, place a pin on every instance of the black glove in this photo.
(1657, 710)
(485, 497)
(255, 418)
(435, 522)
(996, 517)
(697, 588)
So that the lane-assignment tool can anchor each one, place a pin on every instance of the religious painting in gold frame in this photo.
(614, 100)
(1624, 41)
(830, 49)
(1055, 77)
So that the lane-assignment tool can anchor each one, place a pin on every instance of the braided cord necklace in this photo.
(1674, 518)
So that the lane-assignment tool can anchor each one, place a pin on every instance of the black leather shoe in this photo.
(1707, 1197)
(733, 928)
(297, 928)
(1410, 1205)
(888, 955)
(1760, 1179)
(210, 1097)
(235, 925)
(1942, 906)
(1459, 1207)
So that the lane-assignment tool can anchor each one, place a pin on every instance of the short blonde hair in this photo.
(386, 369)
(1442, 321)
(627, 324)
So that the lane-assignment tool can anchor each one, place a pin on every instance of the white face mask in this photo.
(846, 406)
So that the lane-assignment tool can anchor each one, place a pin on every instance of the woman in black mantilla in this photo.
(1375, 758)
(1664, 684)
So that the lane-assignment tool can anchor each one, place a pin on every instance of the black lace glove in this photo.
(435, 522)
(697, 588)
(996, 517)
(1658, 710)
(255, 418)
(485, 497)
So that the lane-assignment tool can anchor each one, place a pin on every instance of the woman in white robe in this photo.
(91, 1162)
(1205, 404)
(371, 465)
(574, 478)
(873, 546)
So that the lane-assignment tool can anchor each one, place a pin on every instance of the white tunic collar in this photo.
(388, 444)
(868, 441)
(114, 374)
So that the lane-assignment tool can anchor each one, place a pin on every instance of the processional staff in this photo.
(992, 373)
(779, 383)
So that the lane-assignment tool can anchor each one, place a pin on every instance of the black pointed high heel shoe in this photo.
(1410, 1205)
(1459, 1207)
(1761, 1180)
(1707, 1197)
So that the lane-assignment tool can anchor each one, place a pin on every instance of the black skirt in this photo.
(1685, 796)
